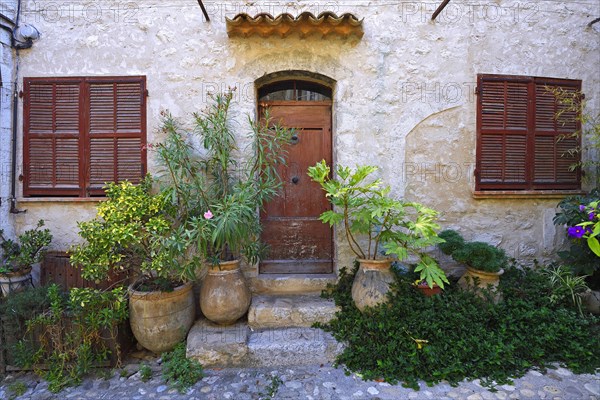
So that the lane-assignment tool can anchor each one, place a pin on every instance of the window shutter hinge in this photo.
(21, 94)
(146, 93)
(477, 90)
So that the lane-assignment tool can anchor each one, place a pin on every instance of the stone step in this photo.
(285, 311)
(239, 346)
(291, 346)
(290, 283)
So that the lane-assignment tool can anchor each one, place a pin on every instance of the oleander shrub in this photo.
(458, 335)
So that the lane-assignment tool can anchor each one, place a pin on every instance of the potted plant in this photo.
(18, 257)
(376, 223)
(427, 290)
(217, 190)
(134, 231)
(484, 262)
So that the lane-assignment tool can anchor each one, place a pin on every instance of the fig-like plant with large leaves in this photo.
(376, 223)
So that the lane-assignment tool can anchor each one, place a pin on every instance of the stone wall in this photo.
(403, 100)
(7, 8)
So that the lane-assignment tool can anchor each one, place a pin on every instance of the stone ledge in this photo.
(239, 346)
(290, 283)
(278, 311)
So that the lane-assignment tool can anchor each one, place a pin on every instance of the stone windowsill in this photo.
(60, 199)
(525, 194)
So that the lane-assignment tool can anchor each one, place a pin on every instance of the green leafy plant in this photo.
(478, 255)
(178, 371)
(145, 372)
(368, 212)
(566, 286)
(463, 335)
(133, 232)
(217, 194)
(69, 335)
(572, 108)
(579, 255)
(28, 250)
(589, 230)
(17, 389)
(272, 389)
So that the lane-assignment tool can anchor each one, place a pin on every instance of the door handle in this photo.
(295, 180)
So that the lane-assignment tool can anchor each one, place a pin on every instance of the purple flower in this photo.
(591, 216)
(208, 215)
(576, 231)
(581, 207)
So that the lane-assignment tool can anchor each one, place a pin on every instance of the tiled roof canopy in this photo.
(306, 24)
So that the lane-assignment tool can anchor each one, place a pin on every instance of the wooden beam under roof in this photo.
(204, 10)
(439, 9)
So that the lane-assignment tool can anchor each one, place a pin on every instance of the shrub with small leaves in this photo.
(145, 372)
(458, 335)
(178, 371)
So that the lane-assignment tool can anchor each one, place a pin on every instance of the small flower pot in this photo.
(427, 291)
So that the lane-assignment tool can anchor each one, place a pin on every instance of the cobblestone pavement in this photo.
(305, 382)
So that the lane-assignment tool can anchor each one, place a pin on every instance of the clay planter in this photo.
(15, 281)
(371, 283)
(160, 320)
(474, 279)
(427, 291)
(224, 295)
(591, 301)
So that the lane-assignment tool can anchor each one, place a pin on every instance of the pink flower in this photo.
(208, 215)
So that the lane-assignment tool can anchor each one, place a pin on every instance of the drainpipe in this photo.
(15, 107)
(13, 180)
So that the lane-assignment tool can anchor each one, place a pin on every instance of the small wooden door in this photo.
(299, 243)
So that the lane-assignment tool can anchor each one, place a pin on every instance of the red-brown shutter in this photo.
(502, 133)
(117, 131)
(52, 140)
(553, 138)
(520, 143)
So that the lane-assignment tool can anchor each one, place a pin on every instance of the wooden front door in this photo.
(299, 243)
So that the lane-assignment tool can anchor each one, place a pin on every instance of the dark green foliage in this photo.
(178, 371)
(453, 241)
(145, 372)
(478, 255)
(578, 255)
(65, 340)
(15, 310)
(458, 335)
(481, 256)
(28, 250)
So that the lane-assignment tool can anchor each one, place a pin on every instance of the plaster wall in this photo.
(7, 8)
(403, 99)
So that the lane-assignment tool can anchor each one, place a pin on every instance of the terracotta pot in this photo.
(160, 320)
(427, 291)
(224, 295)
(372, 283)
(474, 279)
(17, 281)
(591, 301)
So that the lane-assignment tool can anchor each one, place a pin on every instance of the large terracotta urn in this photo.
(372, 283)
(224, 295)
(17, 281)
(160, 320)
(477, 280)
